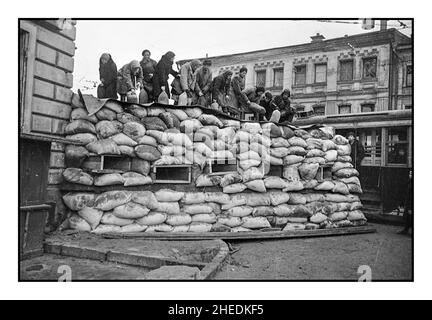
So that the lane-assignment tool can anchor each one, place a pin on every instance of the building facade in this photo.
(361, 83)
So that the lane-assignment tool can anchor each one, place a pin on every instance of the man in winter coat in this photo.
(148, 67)
(238, 99)
(203, 83)
(162, 71)
(188, 77)
(283, 105)
(357, 150)
(268, 104)
(130, 77)
(108, 77)
(253, 96)
(220, 88)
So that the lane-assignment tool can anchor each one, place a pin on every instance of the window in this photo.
(261, 78)
(278, 78)
(397, 146)
(346, 71)
(300, 75)
(320, 73)
(367, 107)
(23, 49)
(344, 108)
(319, 110)
(408, 107)
(369, 68)
(408, 76)
(300, 108)
(371, 141)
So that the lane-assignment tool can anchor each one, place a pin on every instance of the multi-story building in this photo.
(361, 83)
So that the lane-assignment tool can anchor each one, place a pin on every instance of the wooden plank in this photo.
(53, 74)
(244, 235)
(51, 108)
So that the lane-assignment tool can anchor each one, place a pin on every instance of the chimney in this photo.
(383, 25)
(317, 38)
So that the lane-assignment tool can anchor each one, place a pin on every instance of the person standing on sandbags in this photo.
(162, 71)
(203, 83)
(148, 67)
(188, 80)
(108, 77)
(357, 150)
(220, 88)
(129, 79)
(284, 112)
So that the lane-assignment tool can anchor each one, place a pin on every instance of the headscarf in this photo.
(106, 56)
(195, 63)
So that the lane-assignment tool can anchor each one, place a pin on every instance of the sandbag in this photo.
(147, 140)
(163, 227)
(292, 159)
(193, 198)
(122, 139)
(325, 186)
(154, 123)
(256, 185)
(293, 186)
(145, 198)
(249, 155)
(155, 111)
(106, 129)
(110, 199)
(354, 188)
(78, 223)
(106, 114)
(296, 141)
(184, 228)
(252, 173)
(346, 173)
(331, 155)
(153, 218)
(283, 210)
(276, 161)
(204, 218)
(205, 180)
(198, 159)
(310, 184)
(235, 202)
(241, 211)
(170, 120)
(277, 198)
(340, 198)
(147, 152)
(199, 227)
(313, 143)
(82, 114)
(84, 138)
(78, 201)
(197, 208)
(229, 221)
(106, 146)
(75, 155)
(219, 227)
(230, 178)
(302, 134)
(287, 133)
(296, 220)
(279, 152)
(107, 228)
(91, 216)
(340, 140)
(127, 151)
(130, 210)
(135, 179)
(190, 125)
(110, 218)
(344, 150)
(217, 197)
(308, 171)
(351, 180)
(234, 188)
(193, 112)
(315, 153)
(338, 216)
(216, 207)
(226, 134)
(168, 207)
(231, 123)
(137, 111)
(355, 206)
(272, 130)
(251, 127)
(180, 114)
(318, 134)
(179, 139)
(318, 218)
(296, 150)
(167, 195)
(132, 228)
(340, 187)
(134, 130)
(294, 227)
(296, 198)
(279, 143)
(328, 145)
(108, 179)
(140, 166)
(318, 160)
(178, 220)
(355, 215)
(291, 173)
(262, 211)
(246, 164)
(344, 158)
(208, 119)
(76, 175)
(170, 160)
(127, 117)
(274, 183)
(255, 222)
(79, 126)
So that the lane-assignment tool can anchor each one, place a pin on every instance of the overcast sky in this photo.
(125, 39)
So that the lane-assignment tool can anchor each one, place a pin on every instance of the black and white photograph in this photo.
(181, 150)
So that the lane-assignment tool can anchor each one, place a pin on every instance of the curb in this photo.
(214, 266)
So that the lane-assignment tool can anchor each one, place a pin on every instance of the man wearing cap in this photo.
(188, 76)
(203, 81)
(357, 150)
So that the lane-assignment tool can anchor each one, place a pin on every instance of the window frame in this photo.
(295, 74)
(262, 71)
(278, 69)
(319, 106)
(406, 142)
(315, 73)
(376, 68)
(344, 105)
(27, 95)
(367, 104)
(340, 70)
(406, 76)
